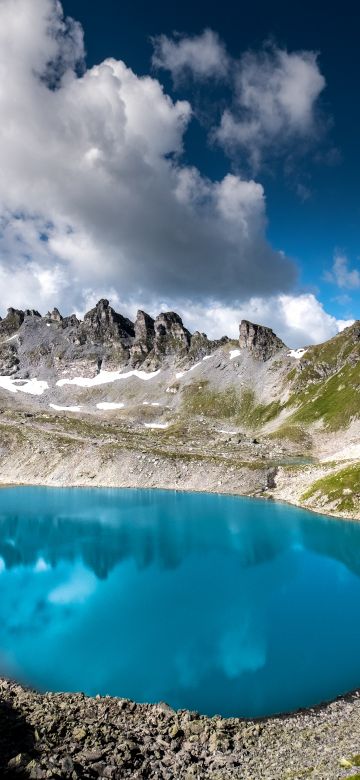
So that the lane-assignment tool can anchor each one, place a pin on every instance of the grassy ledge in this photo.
(342, 487)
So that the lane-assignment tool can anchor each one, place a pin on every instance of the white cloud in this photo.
(274, 93)
(95, 200)
(275, 96)
(343, 276)
(204, 56)
(298, 319)
(93, 193)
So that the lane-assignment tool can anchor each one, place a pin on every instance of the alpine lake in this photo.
(220, 604)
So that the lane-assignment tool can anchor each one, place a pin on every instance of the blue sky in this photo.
(327, 220)
(257, 105)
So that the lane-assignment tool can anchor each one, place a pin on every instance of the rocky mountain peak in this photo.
(55, 315)
(144, 337)
(11, 323)
(144, 325)
(106, 324)
(170, 334)
(103, 339)
(32, 313)
(260, 341)
(144, 329)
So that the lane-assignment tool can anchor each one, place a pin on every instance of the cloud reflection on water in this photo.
(204, 601)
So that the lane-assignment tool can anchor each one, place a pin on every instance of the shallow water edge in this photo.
(260, 495)
(122, 739)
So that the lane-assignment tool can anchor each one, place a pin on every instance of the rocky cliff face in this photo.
(144, 339)
(170, 335)
(103, 324)
(11, 323)
(261, 342)
(104, 339)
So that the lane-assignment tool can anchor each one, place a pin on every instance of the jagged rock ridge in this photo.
(103, 339)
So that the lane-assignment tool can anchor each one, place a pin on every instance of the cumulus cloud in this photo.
(275, 96)
(203, 56)
(298, 319)
(93, 191)
(95, 199)
(343, 276)
(274, 92)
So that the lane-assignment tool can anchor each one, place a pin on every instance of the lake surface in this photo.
(220, 604)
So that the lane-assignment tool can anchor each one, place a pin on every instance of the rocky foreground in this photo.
(73, 736)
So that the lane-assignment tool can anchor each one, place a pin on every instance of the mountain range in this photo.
(105, 400)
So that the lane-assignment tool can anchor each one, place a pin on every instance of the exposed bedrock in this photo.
(107, 340)
(103, 339)
(171, 337)
(11, 323)
(143, 343)
(259, 340)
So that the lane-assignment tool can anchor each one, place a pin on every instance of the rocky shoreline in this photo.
(64, 735)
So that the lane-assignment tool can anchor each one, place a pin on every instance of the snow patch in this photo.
(234, 353)
(109, 405)
(156, 425)
(181, 373)
(297, 353)
(65, 408)
(104, 377)
(350, 452)
(32, 386)
(222, 430)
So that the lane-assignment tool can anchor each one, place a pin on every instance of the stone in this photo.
(92, 755)
(175, 731)
(132, 742)
(9, 360)
(144, 337)
(261, 342)
(103, 340)
(170, 335)
(79, 733)
(55, 315)
(12, 322)
(67, 764)
(21, 759)
(31, 313)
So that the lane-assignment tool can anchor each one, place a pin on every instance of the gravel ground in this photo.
(74, 736)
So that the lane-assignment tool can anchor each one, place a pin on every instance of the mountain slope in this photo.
(98, 398)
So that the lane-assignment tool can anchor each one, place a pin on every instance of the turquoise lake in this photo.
(220, 604)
